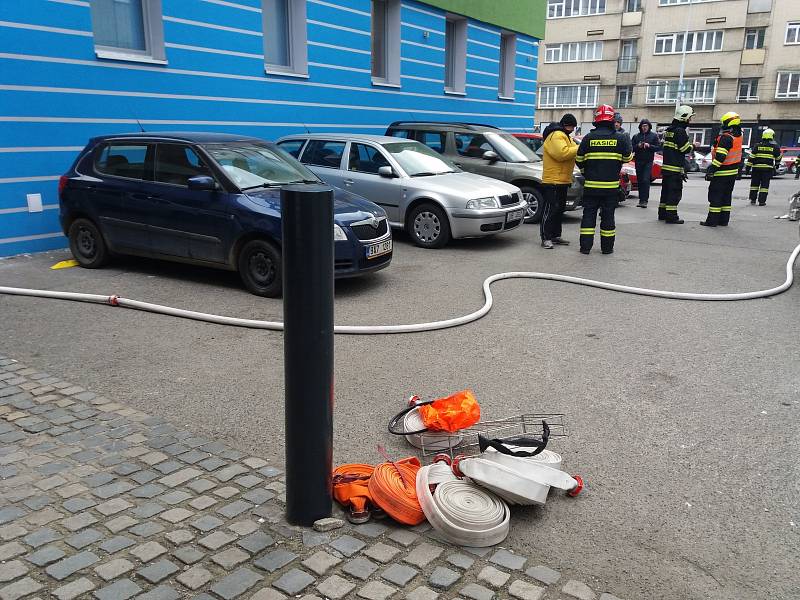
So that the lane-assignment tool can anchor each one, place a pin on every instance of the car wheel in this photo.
(260, 268)
(428, 226)
(533, 214)
(87, 244)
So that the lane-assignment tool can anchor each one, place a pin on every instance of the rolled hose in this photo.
(393, 488)
(413, 327)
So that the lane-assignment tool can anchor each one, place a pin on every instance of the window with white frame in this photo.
(285, 36)
(624, 96)
(574, 8)
(568, 96)
(455, 60)
(754, 38)
(788, 86)
(671, 2)
(386, 42)
(128, 29)
(633, 5)
(573, 52)
(667, 91)
(747, 134)
(698, 135)
(792, 33)
(748, 90)
(508, 66)
(694, 41)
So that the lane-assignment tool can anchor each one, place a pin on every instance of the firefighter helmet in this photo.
(604, 113)
(729, 119)
(768, 134)
(683, 113)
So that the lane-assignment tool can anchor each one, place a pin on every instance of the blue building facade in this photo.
(72, 69)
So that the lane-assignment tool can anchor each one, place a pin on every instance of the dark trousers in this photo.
(720, 193)
(644, 173)
(555, 200)
(606, 204)
(671, 194)
(759, 185)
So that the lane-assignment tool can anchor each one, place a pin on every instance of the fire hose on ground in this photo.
(115, 300)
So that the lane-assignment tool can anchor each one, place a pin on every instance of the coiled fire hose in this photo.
(460, 511)
(414, 327)
(351, 489)
(393, 488)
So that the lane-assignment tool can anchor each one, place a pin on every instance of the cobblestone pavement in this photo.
(98, 500)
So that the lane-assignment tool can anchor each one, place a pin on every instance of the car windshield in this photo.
(251, 165)
(418, 160)
(511, 149)
(795, 152)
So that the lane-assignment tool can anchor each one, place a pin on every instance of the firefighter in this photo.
(673, 173)
(723, 171)
(762, 162)
(600, 157)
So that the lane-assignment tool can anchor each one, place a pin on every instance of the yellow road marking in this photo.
(65, 264)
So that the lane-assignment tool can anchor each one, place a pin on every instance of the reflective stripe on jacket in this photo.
(601, 154)
(676, 145)
(765, 155)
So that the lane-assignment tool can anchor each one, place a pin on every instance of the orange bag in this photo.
(393, 487)
(459, 411)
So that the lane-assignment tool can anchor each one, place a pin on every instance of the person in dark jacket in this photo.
(673, 170)
(763, 159)
(645, 145)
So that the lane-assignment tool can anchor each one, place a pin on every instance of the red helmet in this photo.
(604, 112)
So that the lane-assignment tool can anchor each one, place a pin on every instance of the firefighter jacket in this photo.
(676, 145)
(766, 155)
(601, 154)
(559, 156)
(726, 155)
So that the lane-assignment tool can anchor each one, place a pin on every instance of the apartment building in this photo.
(741, 55)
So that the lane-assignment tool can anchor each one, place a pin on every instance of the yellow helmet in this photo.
(768, 134)
(729, 119)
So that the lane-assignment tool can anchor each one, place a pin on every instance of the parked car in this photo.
(790, 157)
(533, 141)
(705, 161)
(489, 151)
(421, 191)
(204, 198)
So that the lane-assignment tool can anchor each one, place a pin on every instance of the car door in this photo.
(362, 178)
(324, 158)
(471, 147)
(185, 223)
(118, 199)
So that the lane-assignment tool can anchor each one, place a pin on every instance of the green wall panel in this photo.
(523, 16)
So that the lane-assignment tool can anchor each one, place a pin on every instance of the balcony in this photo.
(746, 99)
(755, 56)
(627, 65)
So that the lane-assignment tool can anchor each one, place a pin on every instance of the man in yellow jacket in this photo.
(559, 163)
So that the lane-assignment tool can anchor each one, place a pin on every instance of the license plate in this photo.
(379, 249)
(515, 215)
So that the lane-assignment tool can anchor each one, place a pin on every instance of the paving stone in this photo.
(12, 570)
(11, 550)
(113, 569)
(506, 559)
(153, 458)
(403, 537)
(206, 523)
(423, 554)
(544, 574)
(111, 490)
(216, 540)
(161, 592)
(293, 581)
(234, 509)
(236, 584)
(526, 591)
(148, 551)
(371, 530)
(19, 589)
(422, 593)
(75, 505)
(66, 567)
(87, 537)
(112, 507)
(145, 476)
(45, 516)
(462, 561)
(188, 555)
(203, 502)
(245, 527)
(193, 456)
(158, 571)
(41, 537)
(195, 578)
(248, 481)
(381, 552)
(226, 492)
(201, 485)
(36, 502)
(375, 590)
(275, 560)
(74, 589)
(180, 477)
(493, 577)
(479, 552)
(270, 472)
(347, 545)
(229, 472)
(443, 578)
(150, 490)
(360, 567)
(608, 597)
(73, 489)
(120, 523)
(117, 543)
(126, 469)
(176, 515)
(175, 497)
(146, 529)
(335, 587)
(399, 575)
(119, 590)
(256, 542)
(147, 510)
(577, 589)
(313, 538)
(230, 558)
(476, 592)
(212, 464)
(320, 562)
(180, 536)
(45, 484)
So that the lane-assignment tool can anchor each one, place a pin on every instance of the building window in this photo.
(455, 61)
(633, 5)
(694, 41)
(671, 2)
(793, 32)
(698, 136)
(624, 96)
(386, 42)
(508, 64)
(568, 96)
(788, 86)
(575, 8)
(667, 91)
(748, 90)
(285, 36)
(128, 29)
(627, 57)
(747, 134)
(574, 52)
(754, 38)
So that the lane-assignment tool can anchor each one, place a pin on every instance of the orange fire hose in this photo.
(350, 488)
(393, 487)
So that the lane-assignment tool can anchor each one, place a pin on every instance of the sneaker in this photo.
(585, 251)
(642, 205)
(762, 204)
(547, 244)
(559, 242)
(752, 202)
(608, 252)
(674, 221)
(706, 224)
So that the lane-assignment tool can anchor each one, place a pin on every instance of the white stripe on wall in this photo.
(344, 8)
(29, 179)
(482, 73)
(234, 5)
(212, 26)
(339, 67)
(424, 12)
(42, 149)
(45, 28)
(479, 28)
(494, 60)
(431, 79)
(339, 27)
(24, 209)
(72, 2)
(214, 51)
(28, 238)
(426, 46)
(493, 46)
(423, 62)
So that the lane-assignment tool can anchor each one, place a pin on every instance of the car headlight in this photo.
(483, 203)
(338, 234)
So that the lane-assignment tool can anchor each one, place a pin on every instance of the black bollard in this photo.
(307, 226)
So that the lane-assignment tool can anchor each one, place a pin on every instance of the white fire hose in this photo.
(414, 327)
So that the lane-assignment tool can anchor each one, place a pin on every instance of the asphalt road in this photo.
(682, 415)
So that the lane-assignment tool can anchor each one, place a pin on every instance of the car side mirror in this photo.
(386, 171)
(491, 156)
(202, 182)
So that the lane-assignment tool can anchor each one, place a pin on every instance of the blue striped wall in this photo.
(55, 94)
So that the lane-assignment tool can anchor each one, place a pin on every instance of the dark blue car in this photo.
(204, 198)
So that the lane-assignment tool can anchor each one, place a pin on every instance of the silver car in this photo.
(420, 190)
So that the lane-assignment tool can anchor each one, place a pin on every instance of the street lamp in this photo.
(679, 95)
